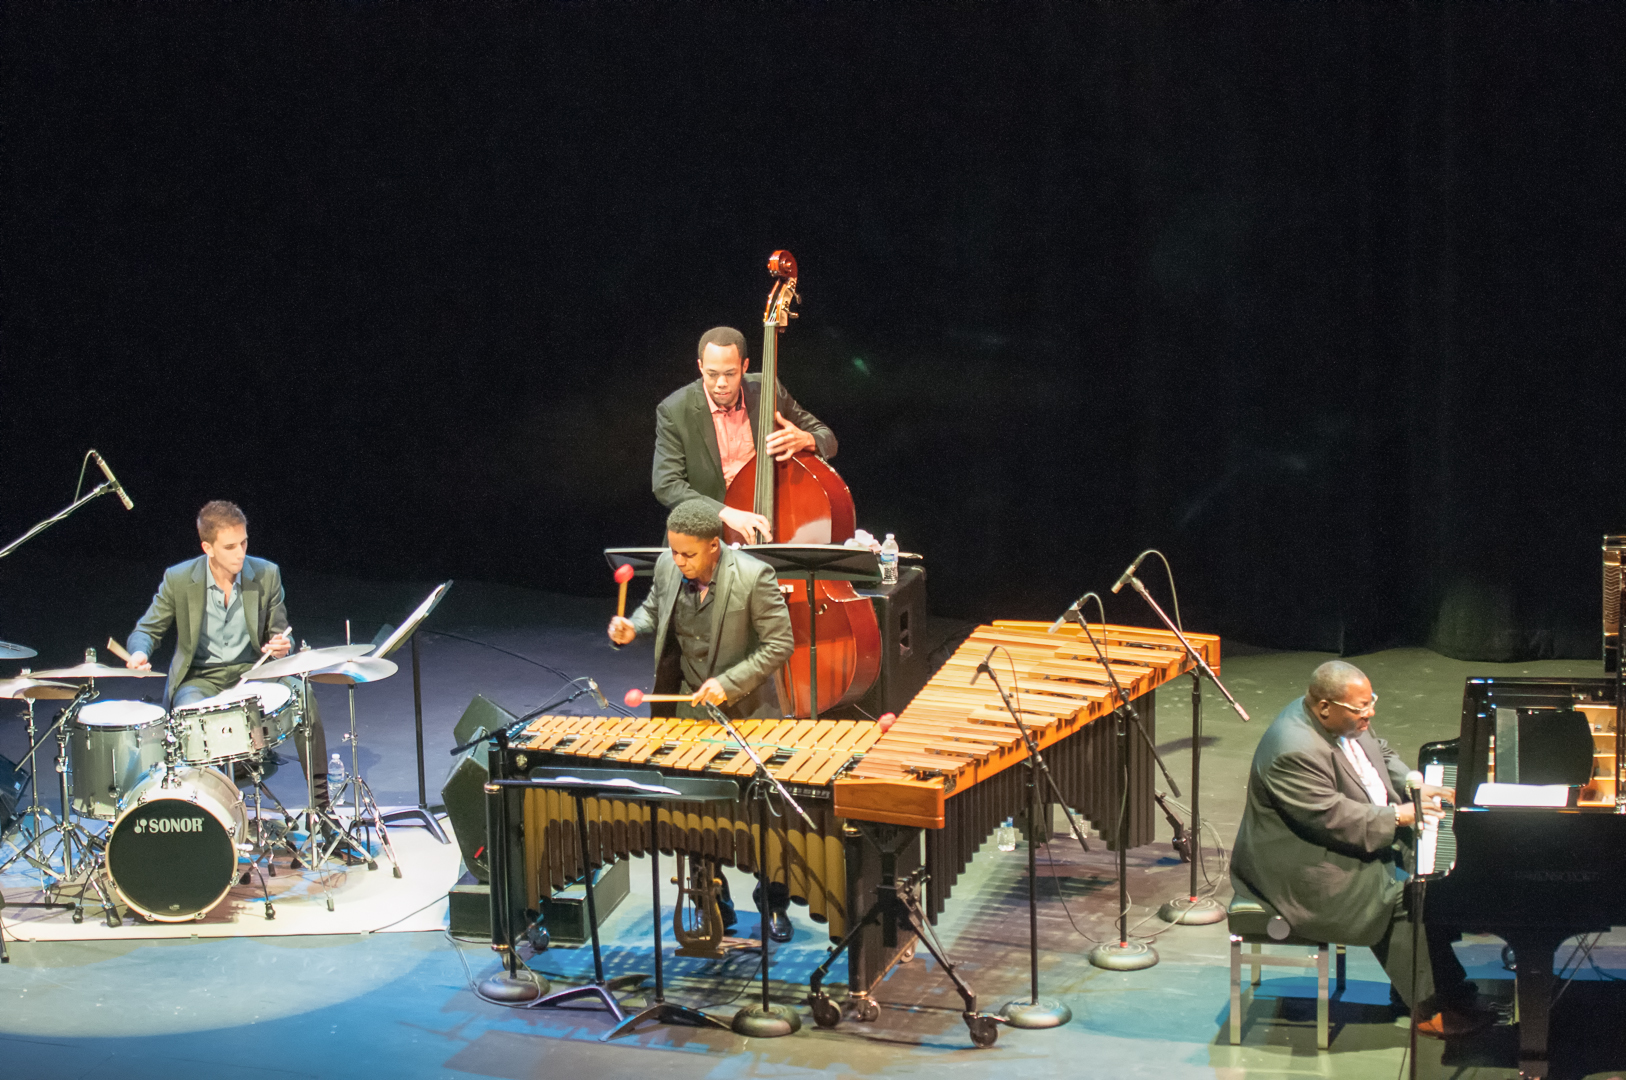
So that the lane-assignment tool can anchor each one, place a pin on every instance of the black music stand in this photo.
(813, 562)
(641, 559)
(420, 814)
(599, 784)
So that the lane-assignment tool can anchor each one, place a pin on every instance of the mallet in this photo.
(636, 697)
(623, 574)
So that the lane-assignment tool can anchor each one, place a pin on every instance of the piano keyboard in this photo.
(1437, 846)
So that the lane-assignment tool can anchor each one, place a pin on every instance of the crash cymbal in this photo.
(364, 669)
(8, 651)
(309, 660)
(95, 671)
(36, 689)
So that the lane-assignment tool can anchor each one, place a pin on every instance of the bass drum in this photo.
(172, 853)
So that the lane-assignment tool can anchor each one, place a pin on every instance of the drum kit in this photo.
(150, 812)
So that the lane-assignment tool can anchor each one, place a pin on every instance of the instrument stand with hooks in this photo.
(1036, 1012)
(897, 903)
(1191, 909)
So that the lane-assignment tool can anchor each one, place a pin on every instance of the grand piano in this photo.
(1532, 875)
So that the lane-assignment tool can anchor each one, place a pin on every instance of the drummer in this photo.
(227, 610)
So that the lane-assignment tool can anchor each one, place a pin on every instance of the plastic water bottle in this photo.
(1006, 837)
(889, 561)
(335, 773)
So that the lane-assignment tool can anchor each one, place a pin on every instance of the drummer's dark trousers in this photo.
(207, 680)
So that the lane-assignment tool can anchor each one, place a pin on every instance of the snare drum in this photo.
(111, 744)
(172, 853)
(235, 723)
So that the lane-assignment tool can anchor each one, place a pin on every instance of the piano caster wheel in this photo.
(826, 1013)
(866, 1010)
(1509, 961)
(984, 1030)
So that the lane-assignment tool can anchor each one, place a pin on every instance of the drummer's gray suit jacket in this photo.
(179, 603)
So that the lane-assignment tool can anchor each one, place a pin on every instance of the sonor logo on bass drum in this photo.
(169, 825)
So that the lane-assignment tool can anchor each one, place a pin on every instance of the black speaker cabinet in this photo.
(464, 789)
(901, 611)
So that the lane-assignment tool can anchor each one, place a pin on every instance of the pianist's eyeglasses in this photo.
(1360, 710)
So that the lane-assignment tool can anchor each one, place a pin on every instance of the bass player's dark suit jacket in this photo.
(179, 603)
(1312, 843)
(688, 464)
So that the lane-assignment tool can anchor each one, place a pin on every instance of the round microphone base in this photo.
(1192, 911)
(770, 1022)
(1124, 956)
(524, 985)
(1043, 1013)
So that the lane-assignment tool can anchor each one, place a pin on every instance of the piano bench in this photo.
(1255, 923)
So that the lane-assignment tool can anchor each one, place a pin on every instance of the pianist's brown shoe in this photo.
(1455, 1023)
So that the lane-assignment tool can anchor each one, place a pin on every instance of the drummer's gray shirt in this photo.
(223, 636)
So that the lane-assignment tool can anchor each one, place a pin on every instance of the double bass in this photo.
(806, 502)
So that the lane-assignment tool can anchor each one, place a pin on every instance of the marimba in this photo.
(943, 770)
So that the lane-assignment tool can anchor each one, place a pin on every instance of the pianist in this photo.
(1321, 840)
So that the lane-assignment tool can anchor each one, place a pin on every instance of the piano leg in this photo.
(1533, 952)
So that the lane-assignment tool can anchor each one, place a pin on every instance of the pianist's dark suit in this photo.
(1316, 848)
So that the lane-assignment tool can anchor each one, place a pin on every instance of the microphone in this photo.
(1063, 616)
(598, 695)
(982, 667)
(118, 488)
(1123, 579)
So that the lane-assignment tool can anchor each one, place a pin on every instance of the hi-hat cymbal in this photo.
(363, 669)
(95, 671)
(309, 660)
(8, 651)
(36, 689)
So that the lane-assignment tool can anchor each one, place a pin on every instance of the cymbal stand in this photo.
(362, 796)
(29, 821)
(315, 852)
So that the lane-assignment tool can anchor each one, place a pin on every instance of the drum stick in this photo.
(265, 654)
(118, 650)
(623, 574)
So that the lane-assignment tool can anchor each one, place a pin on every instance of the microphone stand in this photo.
(1035, 1012)
(1124, 955)
(100, 489)
(1191, 909)
(764, 1020)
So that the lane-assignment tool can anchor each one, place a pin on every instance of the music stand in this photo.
(812, 562)
(641, 559)
(420, 814)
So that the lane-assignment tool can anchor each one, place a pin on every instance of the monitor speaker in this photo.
(464, 789)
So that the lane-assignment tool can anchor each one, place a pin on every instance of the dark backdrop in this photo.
(1323, 300)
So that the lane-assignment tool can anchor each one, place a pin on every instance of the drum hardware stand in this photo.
(1036, 1012)
(898, 903)
(317, 856)
(35, 813)
(66, 828)
(1191, 909)
(1124, 954)
(361, 793)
